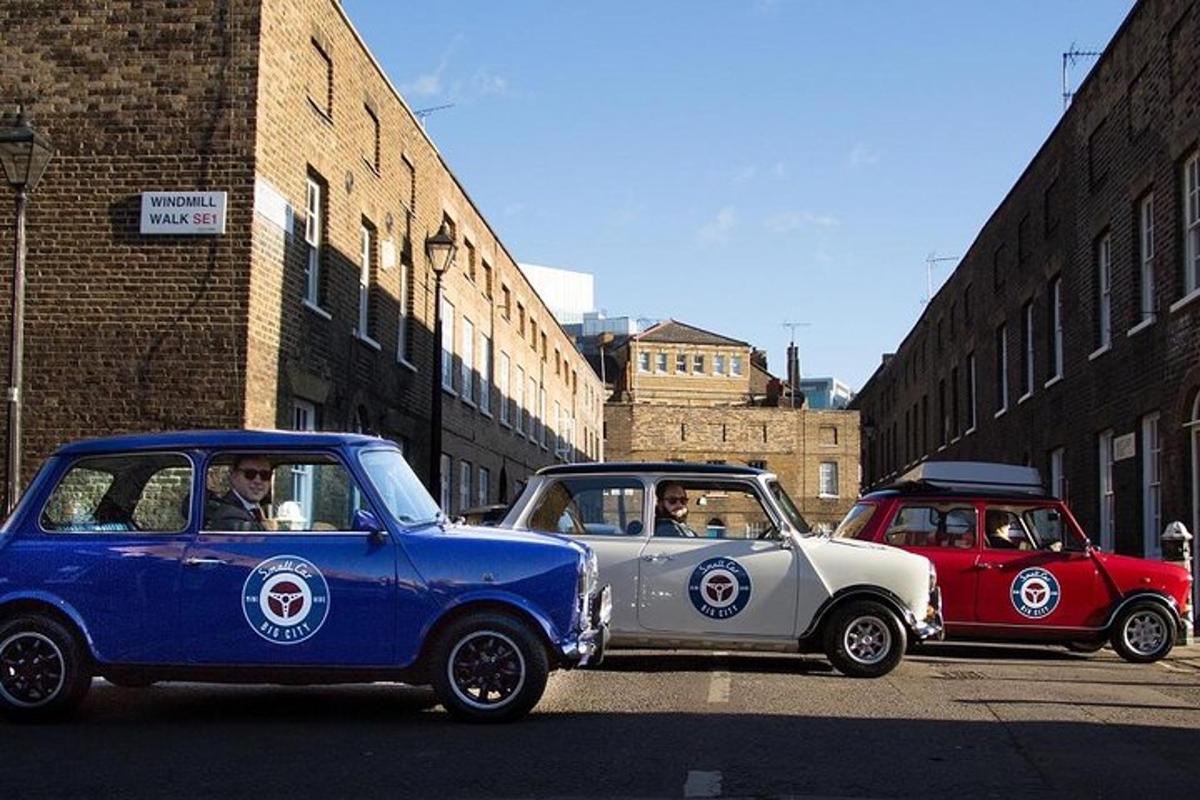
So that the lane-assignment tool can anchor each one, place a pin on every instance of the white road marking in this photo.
(702, 784)
(718, 685)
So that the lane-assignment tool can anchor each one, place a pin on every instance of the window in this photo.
(681, 363)
(502, 386)
(319, 79)
(304, 418)
(698, 364)
(521, 320)
(943, 418)
(402, 323)
(719, 364)
(1001, 369)
(557, 361)
(715, 509)
(1056, 328)
(756, 464)
(506, 299)
(828, 479)
(1058, 476)
(1004, 530)
(971, 386)
(1107, 491)
(735, 365)
(447, 339)
(466, 382)
(533, 333)
(487, 280)
(660, 362)
(314, 236)
(1146, 259)
(1027, 350)
(485, 374)
(365, 277)
(137, 493)
(371, 145)
(260, 493)
(1191, 225)
(933, 526)
(954, 403)
(559, 439)
(464, 485)
(999, 267)
(827, 435)
(531, 414)
(447, 481)
(1104, 290)
(643, 362)
(484, 487)
(605, 506)
(520, 413)
(471, 263)
(1151, 486)
(542, 416)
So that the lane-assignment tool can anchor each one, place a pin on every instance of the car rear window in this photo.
(148, 492)
(855, 521)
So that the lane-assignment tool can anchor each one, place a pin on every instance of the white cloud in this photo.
(791, 220)
(745, 174)
(485, 83)
(430, 83)
(718, 229)
(863, 156)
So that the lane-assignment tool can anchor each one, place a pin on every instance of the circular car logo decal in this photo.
(1035, 593)
(719, 588)
(285, 599)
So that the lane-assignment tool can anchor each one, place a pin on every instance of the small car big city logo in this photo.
(1035, 593)
(719, 588)
(285, 599)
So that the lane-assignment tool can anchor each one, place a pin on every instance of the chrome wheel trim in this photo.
(483, 664)
(32, 669)
(1144, 632)
(867, 640)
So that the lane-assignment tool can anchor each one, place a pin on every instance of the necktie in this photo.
(256, 512)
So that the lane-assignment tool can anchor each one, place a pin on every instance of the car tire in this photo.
(1143, 633)
(44, 670)
(864, 639)
(489, 667)
(1086, 647)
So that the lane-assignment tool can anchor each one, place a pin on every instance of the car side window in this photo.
(280, 492)
(1047, 526)
(1005, 530)
(602, 506)
(692, 508)
(145, 492)
(933, 525)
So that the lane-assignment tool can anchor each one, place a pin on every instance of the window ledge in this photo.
(1141, 326)
(316, 309)
(467, 401)
(506, 423)
(449, 390)
(969, 431)
(1024, 397)
(486, 413)
(955, 439)
(1052, 381)
(823, 496)
(1000, 413)
(941, 447)
(367, 340)
(404, 362)
(320, 112)
(1188, 298)
(1099, 351)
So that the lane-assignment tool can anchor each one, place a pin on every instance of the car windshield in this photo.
(405, 497)
(789, 508)
(1049, 529)
(855, 520)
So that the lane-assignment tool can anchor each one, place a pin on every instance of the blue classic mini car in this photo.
(264, 556)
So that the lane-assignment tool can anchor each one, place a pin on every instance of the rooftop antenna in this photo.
(794, 369)
(930, 260)
(1070, 59)
(422, 113)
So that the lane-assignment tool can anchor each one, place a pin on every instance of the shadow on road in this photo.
(675, 661)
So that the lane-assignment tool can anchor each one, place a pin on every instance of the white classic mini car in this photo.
(718, 557)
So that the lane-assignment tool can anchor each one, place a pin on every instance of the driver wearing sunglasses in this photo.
(671, 510)
(240, 509)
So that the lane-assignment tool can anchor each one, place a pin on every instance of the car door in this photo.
(945, 532)
(735, 578)
(299, 588)
(1025, 580)
(607, 512)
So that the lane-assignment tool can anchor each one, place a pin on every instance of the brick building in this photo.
(314, 308)
(681, 393)
(1068, 337)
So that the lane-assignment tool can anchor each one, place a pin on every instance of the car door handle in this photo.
(203, 562)
(986, 565)
(656, 557)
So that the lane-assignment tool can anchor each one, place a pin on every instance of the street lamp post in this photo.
(24, 154)
(440, 248)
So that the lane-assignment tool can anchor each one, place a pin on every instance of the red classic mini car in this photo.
(1013, 564)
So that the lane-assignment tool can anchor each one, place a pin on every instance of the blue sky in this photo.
(736, 165)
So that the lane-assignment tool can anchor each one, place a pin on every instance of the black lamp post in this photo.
(440, 248)
(24, 154)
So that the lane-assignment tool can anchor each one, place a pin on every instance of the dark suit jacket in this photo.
(666, 526)
(227, 513)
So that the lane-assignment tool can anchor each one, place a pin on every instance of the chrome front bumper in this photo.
(588, 645)
(932, 626)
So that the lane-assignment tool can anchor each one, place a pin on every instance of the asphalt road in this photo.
(952, 721)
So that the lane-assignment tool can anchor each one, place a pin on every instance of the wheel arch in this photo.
(850, 594)
(495, 605)
(1144, 596)
(11, 607)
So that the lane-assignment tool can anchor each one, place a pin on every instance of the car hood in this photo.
(1131, 572)
(481, 533)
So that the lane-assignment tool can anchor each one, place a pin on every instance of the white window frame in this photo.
(402, 321)
(519, 411)
(698, 364)
(446, 476)
(644, 361)
(367, 241)
(735, 366)
(1107, 492)
(1058, 476)
(1151, 486)
(313, 234)
(1191, 222)
(660, 363)
(1146, 314)
(828, 479)
(972, 406)
(534, 420)
(304, 418)
(502, 384)
(681, 363)
(466, 380)
(485, 373)
(465, 469)
(1104, 275)
(542, 417)
(447, 344)
(719, 364)
(1002, 340)
(483, 486)
(1056, 300)
(1193, 429)
(1028, 329)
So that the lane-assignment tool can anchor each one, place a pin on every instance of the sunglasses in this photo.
(675, 499)
(251, 474)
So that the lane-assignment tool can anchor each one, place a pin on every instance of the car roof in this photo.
(219, 439)
(669, 467)
(936, 492)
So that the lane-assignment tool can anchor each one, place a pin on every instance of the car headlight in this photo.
(932, 577)
(589, 575)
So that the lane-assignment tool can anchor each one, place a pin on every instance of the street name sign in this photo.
(183, 213)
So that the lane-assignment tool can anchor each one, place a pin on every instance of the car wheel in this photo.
(44, 670)
(864, 639)
(1086, 647)
(1143, 633)
(489, 667)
